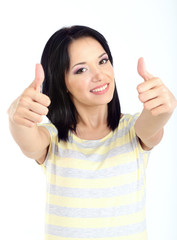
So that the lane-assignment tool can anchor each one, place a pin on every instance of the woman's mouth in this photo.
(100, 89)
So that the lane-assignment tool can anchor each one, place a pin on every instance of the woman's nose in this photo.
(97, 75)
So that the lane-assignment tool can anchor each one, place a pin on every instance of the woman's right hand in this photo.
(28, 109)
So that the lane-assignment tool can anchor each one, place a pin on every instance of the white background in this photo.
(133, 28)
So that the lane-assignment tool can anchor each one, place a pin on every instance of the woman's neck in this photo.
(92, 122)
(92, 117)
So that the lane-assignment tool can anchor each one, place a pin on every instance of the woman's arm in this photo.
(24, 114)
(159, 104)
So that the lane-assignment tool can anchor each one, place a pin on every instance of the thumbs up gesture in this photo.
(28, 109)
(154, 95)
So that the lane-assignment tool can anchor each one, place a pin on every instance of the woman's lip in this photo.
(101, 91)
(100, 86)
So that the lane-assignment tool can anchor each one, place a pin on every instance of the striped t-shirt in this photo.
(96, 188)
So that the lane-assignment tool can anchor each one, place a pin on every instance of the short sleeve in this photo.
(53, 143)
(136, 141)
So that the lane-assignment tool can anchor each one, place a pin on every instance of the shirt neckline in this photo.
(78, 139)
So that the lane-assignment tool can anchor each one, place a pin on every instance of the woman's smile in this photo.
(100, 89)
(90, 79)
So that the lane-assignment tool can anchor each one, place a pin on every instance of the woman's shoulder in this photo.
(127, 117)
(127, 120)
(50, 127)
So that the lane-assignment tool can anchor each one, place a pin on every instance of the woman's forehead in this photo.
(83, 48)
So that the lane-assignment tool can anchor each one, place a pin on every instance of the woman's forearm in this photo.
(159, 104)
(24, 114)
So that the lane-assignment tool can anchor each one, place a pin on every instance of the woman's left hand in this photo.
(155, 96)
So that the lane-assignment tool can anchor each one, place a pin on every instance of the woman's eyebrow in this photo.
(80, 63)
(102, 54)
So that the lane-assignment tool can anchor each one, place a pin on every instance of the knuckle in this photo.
(49, 102)
(147, 106)
(164, 90)
(158, 81)
(22, 101)
(141, 97)
(46, 111)
(169, 106)
(140, 87)
(15, 118)
(46, 100)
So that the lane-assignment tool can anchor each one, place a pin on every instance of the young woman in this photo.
(94, 156)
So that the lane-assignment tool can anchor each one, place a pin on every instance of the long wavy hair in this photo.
(56, 62)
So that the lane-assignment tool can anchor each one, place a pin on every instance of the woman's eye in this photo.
(103, 61)
(80, 70)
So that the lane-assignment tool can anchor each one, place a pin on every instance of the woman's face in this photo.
(90, 79)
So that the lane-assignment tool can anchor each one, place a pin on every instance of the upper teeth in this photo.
(100, 89)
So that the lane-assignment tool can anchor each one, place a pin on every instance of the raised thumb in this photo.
(141, 67)
(39, 77)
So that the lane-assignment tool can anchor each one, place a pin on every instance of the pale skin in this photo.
(89, 58)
